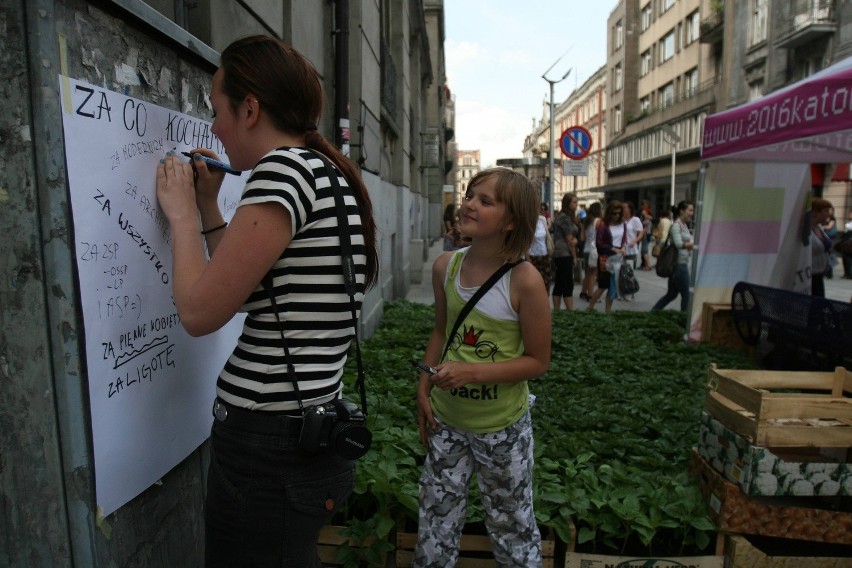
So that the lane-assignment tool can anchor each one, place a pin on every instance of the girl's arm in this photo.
(208, 294)
(434, 347)
(529, 297)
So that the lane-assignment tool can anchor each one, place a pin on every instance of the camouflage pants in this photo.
(503, 463)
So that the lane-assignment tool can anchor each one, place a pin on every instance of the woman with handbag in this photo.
(541, 251)
(682, 239)
(267, 497)
(590, 250)
(820, 245)
(567, 232)
(611, 230)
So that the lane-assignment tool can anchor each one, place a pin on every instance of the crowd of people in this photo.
(589, 246)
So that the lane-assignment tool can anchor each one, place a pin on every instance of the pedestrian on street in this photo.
(682, 239)
(567, 233)
(612, 230)
(820, 245)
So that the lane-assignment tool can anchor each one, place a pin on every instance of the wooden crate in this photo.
(783, 408)
(574, 559)
(741, 553)
(717, 327)
(735, 512)
(330, 540)
(475, 551)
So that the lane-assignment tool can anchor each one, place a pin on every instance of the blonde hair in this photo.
(522, 202)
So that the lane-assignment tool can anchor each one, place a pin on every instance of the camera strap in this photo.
(474, 299)
(349, 285)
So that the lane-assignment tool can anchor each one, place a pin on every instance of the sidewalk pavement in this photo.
(651, 288)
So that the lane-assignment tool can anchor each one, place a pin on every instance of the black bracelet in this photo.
(222, 226)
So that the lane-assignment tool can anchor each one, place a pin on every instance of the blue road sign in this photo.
(575, 142)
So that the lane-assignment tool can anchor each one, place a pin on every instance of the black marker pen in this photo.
(215, 164)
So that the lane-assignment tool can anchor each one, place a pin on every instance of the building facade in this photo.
(653, 151)
(382, 68)
(468, 164)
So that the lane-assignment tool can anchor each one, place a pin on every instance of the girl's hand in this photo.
(207, 182)
(452, 375)
(425, 420)
(175, 189)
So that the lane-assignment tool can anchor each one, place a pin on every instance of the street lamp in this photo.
(672, 141)
(552, 83)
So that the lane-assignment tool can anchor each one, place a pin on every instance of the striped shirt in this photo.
(308, 290)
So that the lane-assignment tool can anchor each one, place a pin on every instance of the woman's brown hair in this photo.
(288, 87)
(611, 209)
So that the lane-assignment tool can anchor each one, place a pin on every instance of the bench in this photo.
(792, 331)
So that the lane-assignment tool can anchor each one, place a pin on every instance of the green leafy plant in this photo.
(614, 420)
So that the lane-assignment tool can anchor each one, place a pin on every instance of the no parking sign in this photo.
(575, 142)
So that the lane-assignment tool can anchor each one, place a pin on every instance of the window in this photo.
(757, 27)
(666, 5)
(646, 63)
(619, 35)
(645, 104)
(693, 22)
(755, 90)
(617, 118)
(667, 45)
(647, 13)
(618, 78)
(667, 95)
(690, 84)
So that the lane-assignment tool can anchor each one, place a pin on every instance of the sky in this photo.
(496, 53)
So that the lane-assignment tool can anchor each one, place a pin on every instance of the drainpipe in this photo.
(341, 75)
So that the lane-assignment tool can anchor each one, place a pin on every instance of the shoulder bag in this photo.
(667, 259)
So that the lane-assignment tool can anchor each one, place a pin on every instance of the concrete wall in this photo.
(48, 515)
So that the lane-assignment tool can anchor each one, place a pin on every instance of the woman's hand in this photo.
(207, 182)
(175, 189)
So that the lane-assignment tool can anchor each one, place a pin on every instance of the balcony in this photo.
(713, 27)
(810, 21)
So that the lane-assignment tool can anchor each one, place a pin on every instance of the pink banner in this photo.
(812, 113)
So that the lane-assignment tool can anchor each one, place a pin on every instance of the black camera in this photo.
(338, 425)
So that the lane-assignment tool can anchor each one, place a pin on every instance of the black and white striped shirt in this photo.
(308, 290)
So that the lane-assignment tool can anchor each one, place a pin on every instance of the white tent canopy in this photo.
(755, 193)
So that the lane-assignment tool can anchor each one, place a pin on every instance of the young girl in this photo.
(474, 413)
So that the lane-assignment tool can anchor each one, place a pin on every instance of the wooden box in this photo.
(783, 408)
(574, 559)
(329, 542)
(735, 512)
(717, 327)
(803, 472)
(742, 553)
(475, 551)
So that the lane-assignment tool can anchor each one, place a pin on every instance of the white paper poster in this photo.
(151, 385)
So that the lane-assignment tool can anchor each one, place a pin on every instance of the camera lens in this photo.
(352, 440)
